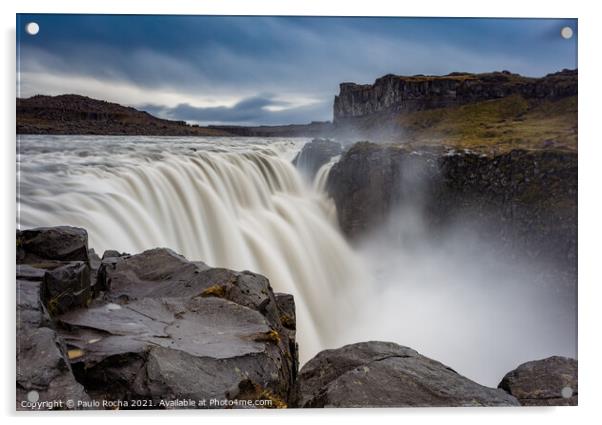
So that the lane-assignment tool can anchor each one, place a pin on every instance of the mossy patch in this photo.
(287, 321)
(249, 390)
(271, 336)
(498, 125)
(214, 291)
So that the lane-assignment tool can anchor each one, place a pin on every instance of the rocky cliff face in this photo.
(526, 201)
(315, 154)
(394, 93)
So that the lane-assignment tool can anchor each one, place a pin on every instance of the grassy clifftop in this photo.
(496, 125)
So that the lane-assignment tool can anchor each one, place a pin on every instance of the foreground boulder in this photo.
(315, 154)
(153, 330)
(547, 382)
(384, 374)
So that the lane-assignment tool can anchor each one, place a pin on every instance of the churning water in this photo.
(235, 203)
(240, 203)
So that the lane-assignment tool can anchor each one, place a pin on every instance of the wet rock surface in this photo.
(62, 243)
(315, 154)
(160, 328)
(382, 374)
(52, 276)
(546, 382)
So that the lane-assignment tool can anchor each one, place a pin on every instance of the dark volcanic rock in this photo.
(382, 374)
(173, 329)
(315, 154)
(62, 243)
(31, 313)
(66, 287)
(527, 201)
(547, 382)
(161, 329)
(43, 370)
(394, 93)
(176, 348)
(52, 276)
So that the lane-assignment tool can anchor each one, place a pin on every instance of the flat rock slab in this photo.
(210, 327)
(547, 382)
(381, 374)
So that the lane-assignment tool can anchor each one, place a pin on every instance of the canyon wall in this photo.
(394, 93)
(525, 200)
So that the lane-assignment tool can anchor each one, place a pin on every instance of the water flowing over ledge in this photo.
(230, 203)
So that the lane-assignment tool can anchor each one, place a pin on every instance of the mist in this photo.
(457, 296)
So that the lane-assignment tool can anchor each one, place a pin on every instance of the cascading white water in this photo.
(235, 203)
(240, 204)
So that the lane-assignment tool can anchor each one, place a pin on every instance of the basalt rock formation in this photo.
(394, 93)
(524, 200)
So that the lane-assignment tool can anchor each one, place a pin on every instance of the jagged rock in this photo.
(95, 262)
(315, 154)
(52, 277)
(547, 382)
(383, 374)
(173, 329)
(43, 371)
(162, 329)
(286, 306)
(62, 243)
(67, 286)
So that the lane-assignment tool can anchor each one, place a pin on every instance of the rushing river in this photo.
(230, 202)
(240, 203)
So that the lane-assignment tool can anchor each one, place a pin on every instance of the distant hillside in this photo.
(74, 114)
(313, 129)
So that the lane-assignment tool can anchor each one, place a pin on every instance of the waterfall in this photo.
(235, 204)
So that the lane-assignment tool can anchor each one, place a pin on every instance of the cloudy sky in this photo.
(266, 70)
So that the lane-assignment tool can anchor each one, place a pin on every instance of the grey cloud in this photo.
(252, 110)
